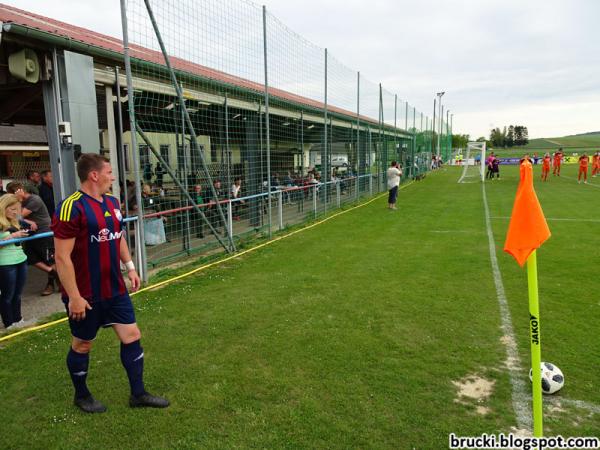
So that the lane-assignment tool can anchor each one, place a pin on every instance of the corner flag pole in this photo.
(527, 231)
(536, 345)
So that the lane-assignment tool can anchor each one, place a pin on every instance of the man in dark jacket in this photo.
(47, 191)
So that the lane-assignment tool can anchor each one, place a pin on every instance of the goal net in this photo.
(473, 163)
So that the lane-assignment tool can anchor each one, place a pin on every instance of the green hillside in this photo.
(567, 142)
(579, 143)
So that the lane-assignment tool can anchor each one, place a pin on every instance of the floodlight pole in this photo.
(433, 146)
(441, 125)
(448, 147)
(440, 95)
(451, 132)
(140, 241)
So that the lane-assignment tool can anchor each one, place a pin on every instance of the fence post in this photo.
(371, 185)
(357, 134)
(267, 121)
(315, 199)
(325, 154)
(140, 241)
(280, 208)
(230, 218)
(338, 193)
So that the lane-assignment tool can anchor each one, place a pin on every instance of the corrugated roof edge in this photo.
(74, 38)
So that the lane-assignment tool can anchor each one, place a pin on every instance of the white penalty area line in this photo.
(515, 370)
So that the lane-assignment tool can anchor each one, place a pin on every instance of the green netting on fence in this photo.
(270, 130)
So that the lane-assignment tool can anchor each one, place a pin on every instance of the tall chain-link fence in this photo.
(267, 130)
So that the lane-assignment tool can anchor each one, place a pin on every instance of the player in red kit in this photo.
(558, 156)
(583, 168)
(546, 166)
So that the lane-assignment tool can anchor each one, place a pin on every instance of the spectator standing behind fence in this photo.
(147, 172)
(198, 221)
(40, 252)
(236, 192)
(159, 171)
(131, 197)
(33, 182)
(393, 180)
(13, 262)
(47, 191)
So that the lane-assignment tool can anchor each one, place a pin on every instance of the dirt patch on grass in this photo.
(482, 410)
(474, 389)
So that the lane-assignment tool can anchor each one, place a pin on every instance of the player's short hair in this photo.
(89, 162)
(14, 186)
(394, 163)
(44, 173)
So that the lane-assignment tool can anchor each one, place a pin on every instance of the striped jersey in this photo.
(97, 229)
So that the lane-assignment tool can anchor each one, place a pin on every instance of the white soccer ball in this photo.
(552, 378)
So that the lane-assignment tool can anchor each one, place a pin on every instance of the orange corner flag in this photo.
(528, 229)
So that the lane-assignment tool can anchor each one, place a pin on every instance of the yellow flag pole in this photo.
(536, 345)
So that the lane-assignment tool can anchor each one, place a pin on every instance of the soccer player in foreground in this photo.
(546, 166)
(89, 246)
(583, 168)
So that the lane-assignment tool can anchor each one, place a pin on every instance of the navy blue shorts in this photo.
(104, 313)
(393, 195)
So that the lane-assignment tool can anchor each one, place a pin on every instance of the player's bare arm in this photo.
(131, 272)
(66, 271)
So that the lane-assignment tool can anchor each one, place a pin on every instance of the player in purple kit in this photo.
(89, 247)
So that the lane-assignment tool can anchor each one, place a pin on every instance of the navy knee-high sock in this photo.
(132, 357)
(78, 363)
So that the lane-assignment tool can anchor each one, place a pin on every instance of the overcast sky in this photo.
(500, 62)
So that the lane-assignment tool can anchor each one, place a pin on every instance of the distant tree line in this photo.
(460, 140)
(512, 136)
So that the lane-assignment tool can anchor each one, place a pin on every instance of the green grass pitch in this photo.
(352, 334)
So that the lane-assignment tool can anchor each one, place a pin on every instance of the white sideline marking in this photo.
(565, 219)
(519, 391)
